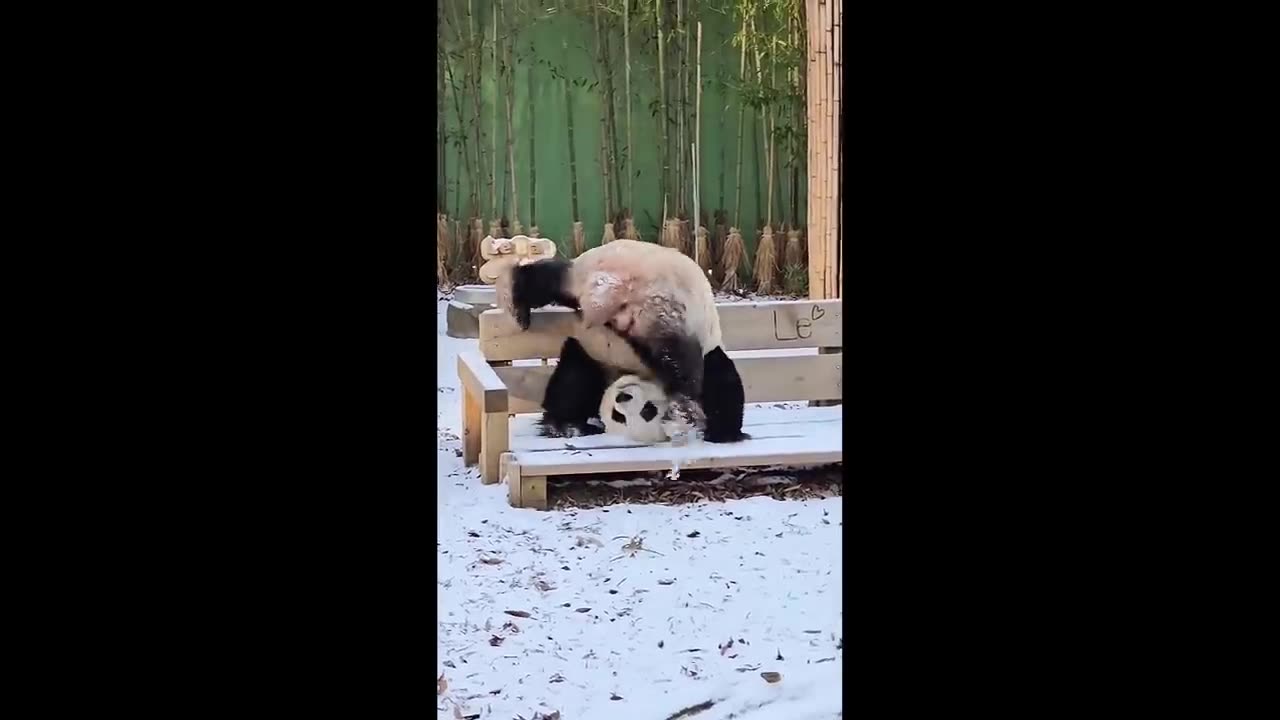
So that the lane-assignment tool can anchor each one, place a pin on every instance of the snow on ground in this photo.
(545, 611)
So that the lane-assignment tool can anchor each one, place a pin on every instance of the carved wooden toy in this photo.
(502, 253)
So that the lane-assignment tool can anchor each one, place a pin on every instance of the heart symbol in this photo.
(817, 312)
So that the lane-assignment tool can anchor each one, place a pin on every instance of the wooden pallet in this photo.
(784, 351)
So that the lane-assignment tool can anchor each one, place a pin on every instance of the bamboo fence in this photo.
(826, 265)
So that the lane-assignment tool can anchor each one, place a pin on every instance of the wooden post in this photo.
(837, 282)
(470, 428)
(523, 491)
(495, 439)
(823, 108)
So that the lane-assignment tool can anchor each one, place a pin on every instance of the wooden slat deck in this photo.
(792, 436)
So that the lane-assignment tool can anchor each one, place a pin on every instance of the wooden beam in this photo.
(743, 326)
(819, 449)
(764, 379)
(479, 380)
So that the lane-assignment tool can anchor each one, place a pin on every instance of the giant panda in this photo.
(659, 303)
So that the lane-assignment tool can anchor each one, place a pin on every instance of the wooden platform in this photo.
(799, 436)
(803, 361)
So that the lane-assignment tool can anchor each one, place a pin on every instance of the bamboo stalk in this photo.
(462, 135)
(771, 153)
(681, 99)
(475, 53)
(742, 109)
(511, 127)
(662, 109)
(605, 163)
(833, 157)
(697, 135)
(493, 138)
(533, 152)
(442, 123)
(573, 160)
(811, 118)
(764, 126)
(609, 95)
(626, 43)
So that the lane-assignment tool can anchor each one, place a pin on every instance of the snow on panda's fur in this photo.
(641, 308)
(635, 408)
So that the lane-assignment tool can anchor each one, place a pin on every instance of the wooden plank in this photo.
(495, 439)
(470, 429)
(829, 274)
(526, 426)
(797, 430)
(479, 380)
(766, 379)
(743, 326)
(819, 449)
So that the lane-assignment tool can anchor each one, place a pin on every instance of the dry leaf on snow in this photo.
(771, 677)
(441, 685)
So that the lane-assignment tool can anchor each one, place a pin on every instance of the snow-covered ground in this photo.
(544, 612)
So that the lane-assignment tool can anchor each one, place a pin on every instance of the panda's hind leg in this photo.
(573, 394)
(723, 398)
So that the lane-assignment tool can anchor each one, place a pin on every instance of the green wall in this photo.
(540, 32)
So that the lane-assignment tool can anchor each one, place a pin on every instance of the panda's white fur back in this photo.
(652, 279)
(635, 393)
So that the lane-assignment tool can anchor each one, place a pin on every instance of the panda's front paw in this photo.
(686, 411)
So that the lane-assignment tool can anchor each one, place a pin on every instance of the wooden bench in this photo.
(501, 401)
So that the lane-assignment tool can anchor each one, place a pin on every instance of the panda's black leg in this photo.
(722, 398)
(573, 394)
(675, 360)
(540, 283)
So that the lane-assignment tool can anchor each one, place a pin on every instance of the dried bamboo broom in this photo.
(534, 232)
(670, 234)
(702, 251)
(686, 236)
(629, 229)
(766, 262)
(473, 247)
(719, 236)
(579, 239)
(608, 234)
(794, 253)
(734, 250)
(442, 249)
